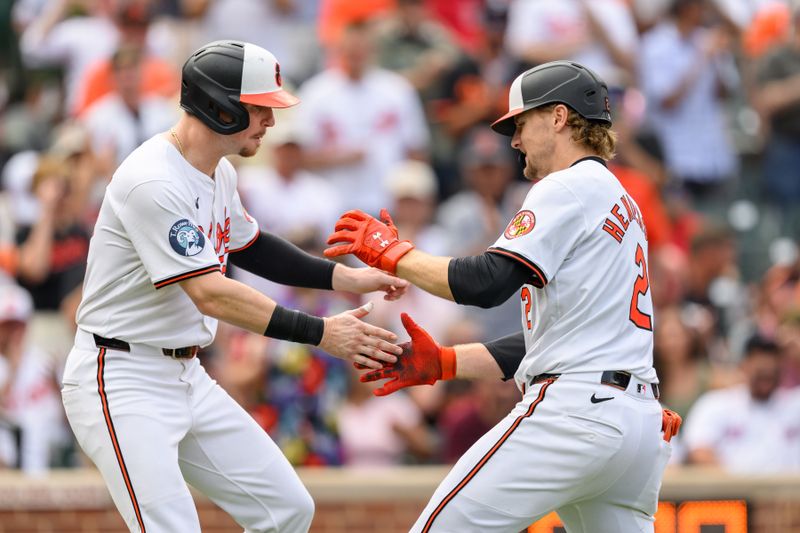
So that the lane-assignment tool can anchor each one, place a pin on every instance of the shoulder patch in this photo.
(186, 239)
(522, 224)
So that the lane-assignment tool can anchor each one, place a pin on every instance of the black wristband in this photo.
(295, 326)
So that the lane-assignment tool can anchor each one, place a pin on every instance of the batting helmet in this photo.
(562, 82)
(222, 75)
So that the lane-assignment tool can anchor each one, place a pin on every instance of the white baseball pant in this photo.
(599, 465)
(152, 423)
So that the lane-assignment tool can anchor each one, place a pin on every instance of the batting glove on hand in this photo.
(423, 362)
(373, 241)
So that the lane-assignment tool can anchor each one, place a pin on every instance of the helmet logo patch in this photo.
(278, 79)
(522, 224)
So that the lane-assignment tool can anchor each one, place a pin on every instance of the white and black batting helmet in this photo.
(557, 82)
(221, 76)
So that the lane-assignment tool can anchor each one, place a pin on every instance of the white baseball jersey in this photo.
(164, 221)
(589, 306)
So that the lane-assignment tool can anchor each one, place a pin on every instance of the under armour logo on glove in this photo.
(362, 235)
(378, 237)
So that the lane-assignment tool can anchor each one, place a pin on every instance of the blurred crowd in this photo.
(396, 97)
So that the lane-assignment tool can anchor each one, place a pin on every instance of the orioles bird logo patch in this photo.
(520, 225)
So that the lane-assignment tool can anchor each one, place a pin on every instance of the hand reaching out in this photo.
(346, 336)
(373, 241)
(423, 362)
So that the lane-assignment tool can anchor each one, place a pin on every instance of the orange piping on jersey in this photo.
(542, 281)
(248, 245)
(101, 389)
(487, 456)
(186, 275)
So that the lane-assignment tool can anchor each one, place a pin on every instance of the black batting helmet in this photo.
(561, 82)
(222, 75)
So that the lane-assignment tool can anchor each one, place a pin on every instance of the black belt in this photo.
(615, 378)
(187, 352)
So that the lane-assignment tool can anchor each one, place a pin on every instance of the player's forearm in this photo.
(428, 272)
(236, 303)
(474, 361)
(230, 301)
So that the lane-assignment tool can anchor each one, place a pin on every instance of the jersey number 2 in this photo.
(640, 286)
(527, 302)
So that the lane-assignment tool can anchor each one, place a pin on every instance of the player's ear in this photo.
(560, 116)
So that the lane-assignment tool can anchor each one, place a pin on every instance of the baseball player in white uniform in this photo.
(138, 400)
(588, 439)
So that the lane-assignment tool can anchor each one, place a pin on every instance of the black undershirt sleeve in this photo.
(278, 260)
(486, 280)
(508, 351)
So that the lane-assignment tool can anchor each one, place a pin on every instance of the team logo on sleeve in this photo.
(520, 225)
(186, 239)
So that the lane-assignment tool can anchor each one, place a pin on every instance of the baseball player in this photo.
(139, 402)
(586, 439)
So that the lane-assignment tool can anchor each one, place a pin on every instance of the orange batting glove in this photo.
(373, 241)
(423, 362)
(670, 423)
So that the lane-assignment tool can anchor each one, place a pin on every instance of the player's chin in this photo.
(249, 151)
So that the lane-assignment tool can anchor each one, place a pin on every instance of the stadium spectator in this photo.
(463, 19)
(753, 428)
(712, 263)
(272, 192)
(788, 338)
(777, 97)
(684, 371)
(287, 28)
(357, 121)
(778, 297)
(684, 68)
(293, 392)
(381, 431)
(32, 427)
(159, 77)
(126, 117)
(474, 217)
(412, 187)
(416, 46)
(474, 91)
(600, 34)
(464, 420)
(53, 248)
(77, 42)
(336, 15)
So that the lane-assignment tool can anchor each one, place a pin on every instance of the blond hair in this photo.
(596, 136)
